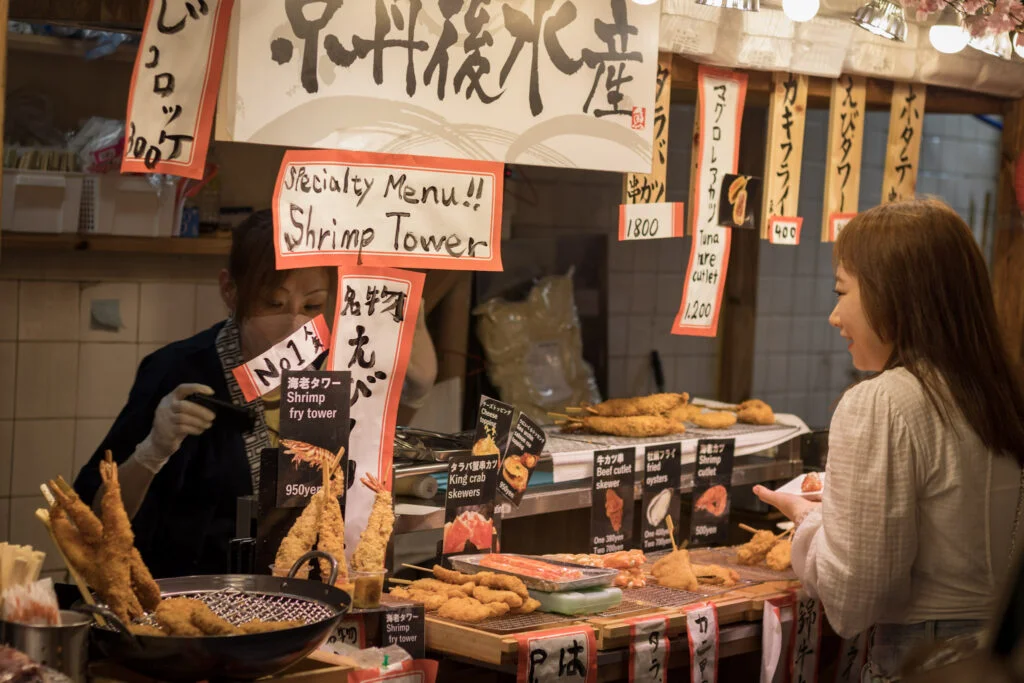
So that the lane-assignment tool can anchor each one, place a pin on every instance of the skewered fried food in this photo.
(655, 404)
(755, 412)
(529, 607)
(144, 630)
(637, 427)
(674, 571)
(613, 509)
(435, 586)
(175, 617)
(502, 582)
(470, 610)
(780, 558)
(373, 542)
(332, 523)
(300, 538)
(715, 575)
(488, 595)
(716, 419)
(451, 576)
(755, 550)
(713, 500)
(116, 551)
(684, 412)
(78, 553)
(207, 621)
(86, 521)
(259, 626)
(431, 601)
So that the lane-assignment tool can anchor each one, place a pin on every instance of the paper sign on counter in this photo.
(648, 649)
(405, 627)
(720, 98)
(807, 627)
(557, 656)
(373, 332)
(785, 230)
(340, 208)
(174, 87)
(702, 634)
(651, 221)
(263, 373)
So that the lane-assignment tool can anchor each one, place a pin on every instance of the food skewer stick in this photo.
(44, 517)
(671, 532)
(747, 527)
(421, 569)
(400, 581)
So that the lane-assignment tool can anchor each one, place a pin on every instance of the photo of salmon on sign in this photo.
(340, 208)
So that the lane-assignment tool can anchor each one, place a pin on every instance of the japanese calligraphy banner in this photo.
(906, 118)
(716, 151)
(557, 655)
(409, 671)
(650, 221)
(702, 635)
(649, 188)
(807, 628)
(263, 373)
(648, 649)
(334, 208)
(787, 119)
(174, 87)
(853, 654)
(845, 146)
(567, 83)
(373, 332)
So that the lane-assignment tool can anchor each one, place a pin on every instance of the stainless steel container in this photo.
(64, 648)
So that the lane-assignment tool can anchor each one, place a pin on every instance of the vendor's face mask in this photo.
(300, 298)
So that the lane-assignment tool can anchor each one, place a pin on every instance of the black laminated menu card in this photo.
(523, 454)
(493, 426)
(406, 627)
(611, 501)
(662, 473)
(712, 487)
(469, 505)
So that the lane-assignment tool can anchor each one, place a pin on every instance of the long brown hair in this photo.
(925, 289)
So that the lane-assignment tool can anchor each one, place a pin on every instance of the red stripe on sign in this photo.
(622, 222)
(246, 383)
(678, 219)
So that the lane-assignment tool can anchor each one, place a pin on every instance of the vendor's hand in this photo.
(175, 419)
(792, 506)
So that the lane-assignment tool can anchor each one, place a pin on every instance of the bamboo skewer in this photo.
(747, 527)
(403, 582)
(671, 532)
(420, 569)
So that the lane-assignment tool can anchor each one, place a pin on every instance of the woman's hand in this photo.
(175, 419)
(793, 507)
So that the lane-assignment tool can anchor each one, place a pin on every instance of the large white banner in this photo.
(549, 82)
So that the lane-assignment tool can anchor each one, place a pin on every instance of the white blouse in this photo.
(916, 518)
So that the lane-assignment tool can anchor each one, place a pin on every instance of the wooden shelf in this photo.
(65, 47)
(200, 246)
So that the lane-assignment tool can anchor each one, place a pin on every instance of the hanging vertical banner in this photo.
(716, 152)
(565, 655)
(648, 649)
(906, 118)
(853, 654)
(807, 628)
(776, 639)
(649, 188)
(845, 148)
(702, 634)
(373, 331)
(174, 87)
(338, 208)
(787, 120)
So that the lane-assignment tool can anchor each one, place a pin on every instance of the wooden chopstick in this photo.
(421, 569)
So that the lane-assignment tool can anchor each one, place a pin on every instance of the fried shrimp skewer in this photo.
(373, 542)
(78, 553)
(118, 544)
(300, 538)
(655, 404)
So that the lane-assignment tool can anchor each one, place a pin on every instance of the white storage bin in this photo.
(116, 204)
(41, 201)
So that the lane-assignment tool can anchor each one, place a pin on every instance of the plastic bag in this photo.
(98, 145)
(534, 349)
(33, 603)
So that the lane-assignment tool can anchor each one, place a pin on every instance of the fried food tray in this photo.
(727, 558)
(593, 577)
(521, 623)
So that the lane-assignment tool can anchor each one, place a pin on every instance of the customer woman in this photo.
(182, 470)
(913, 535)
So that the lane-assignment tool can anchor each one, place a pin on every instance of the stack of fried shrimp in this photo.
(373, 542)
(470, 598)
(321, 523)
(103, 551)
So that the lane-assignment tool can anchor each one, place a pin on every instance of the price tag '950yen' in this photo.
(263, 373)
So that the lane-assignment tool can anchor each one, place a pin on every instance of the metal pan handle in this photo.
(309, 556)
(112, 619)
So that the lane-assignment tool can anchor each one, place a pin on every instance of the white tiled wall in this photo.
(801, 364)
(62, 382)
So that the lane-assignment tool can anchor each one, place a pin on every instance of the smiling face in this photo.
(870, 353)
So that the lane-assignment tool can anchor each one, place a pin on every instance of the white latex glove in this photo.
(175, 419)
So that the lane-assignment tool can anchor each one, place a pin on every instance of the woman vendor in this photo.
(917, 522)
(181, 469)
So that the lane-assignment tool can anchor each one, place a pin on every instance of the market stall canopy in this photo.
(828, 45)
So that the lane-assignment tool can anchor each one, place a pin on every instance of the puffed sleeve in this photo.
(855, 553)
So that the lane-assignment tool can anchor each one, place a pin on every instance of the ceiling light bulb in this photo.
(801, 10)
(883, 18)
(949, 35)
(995, 44)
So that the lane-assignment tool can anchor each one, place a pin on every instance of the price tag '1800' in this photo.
(650, 221)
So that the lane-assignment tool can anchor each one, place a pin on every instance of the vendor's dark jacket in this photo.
(188, 515)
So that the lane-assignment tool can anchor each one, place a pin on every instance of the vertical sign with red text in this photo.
(174, 87)
(720, 99)
(845, 147)
(373, 332)
(702, 634)
(648, 649)
(807, 627)
(787, 118)
(566, 655)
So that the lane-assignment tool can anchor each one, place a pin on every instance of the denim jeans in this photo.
(891, 643)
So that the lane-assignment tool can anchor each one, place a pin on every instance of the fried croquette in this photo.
(674, 571)
(489, 595)
(716, 419)
(754, 551)
(755, 412)
(780, 558)
(684, 413)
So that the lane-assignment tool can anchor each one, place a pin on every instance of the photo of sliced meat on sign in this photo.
(470, 531)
